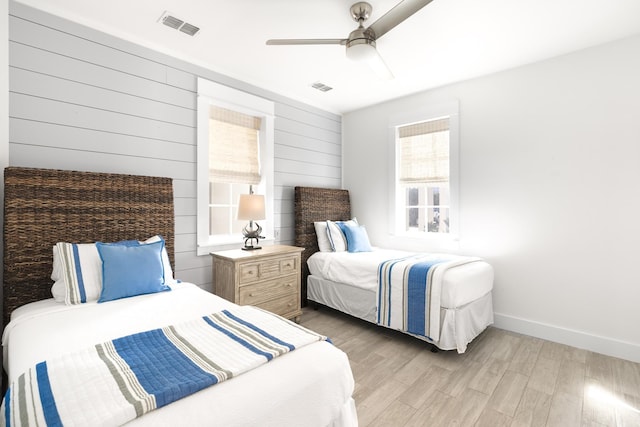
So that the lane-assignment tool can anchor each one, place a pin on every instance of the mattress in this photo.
(311, 386)
(460, 286)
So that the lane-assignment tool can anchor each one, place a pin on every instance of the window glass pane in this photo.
(238, 224)
(220, 220)
(413, 218)
(412, 196)
(438, 219)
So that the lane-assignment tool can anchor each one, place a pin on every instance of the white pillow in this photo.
(323, 239)
(337, 238)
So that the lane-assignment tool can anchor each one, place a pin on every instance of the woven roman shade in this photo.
(424, 152)
(233, 147)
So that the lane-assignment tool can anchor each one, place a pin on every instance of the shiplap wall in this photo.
(80, 99)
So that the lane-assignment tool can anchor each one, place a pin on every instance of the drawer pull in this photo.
(289, 305)
(251, 294)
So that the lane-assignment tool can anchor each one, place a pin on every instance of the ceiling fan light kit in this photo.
(361, 43)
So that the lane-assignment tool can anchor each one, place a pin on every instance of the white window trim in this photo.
(396, 203)
(210, 93)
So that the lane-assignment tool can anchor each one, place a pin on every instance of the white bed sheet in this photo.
(311, 386)
(461, 285)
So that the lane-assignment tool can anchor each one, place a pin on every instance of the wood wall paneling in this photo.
(84, 100)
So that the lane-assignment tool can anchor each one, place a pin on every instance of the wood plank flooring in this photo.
(504, 379)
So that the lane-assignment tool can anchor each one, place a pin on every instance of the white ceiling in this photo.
(445, 42)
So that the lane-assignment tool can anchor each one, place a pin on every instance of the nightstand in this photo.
(268, 278)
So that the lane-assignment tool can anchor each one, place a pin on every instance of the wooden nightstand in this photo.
(268, 278)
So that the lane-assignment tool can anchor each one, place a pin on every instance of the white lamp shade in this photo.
(251, 207)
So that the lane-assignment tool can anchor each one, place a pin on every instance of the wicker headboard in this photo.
(316, 204)
(43, 207)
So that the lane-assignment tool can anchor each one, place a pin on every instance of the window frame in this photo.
(397, 204)
(215, 94)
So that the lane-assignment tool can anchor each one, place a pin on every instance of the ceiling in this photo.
(445, 42)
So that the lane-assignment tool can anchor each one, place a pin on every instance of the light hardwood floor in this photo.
(503, 379)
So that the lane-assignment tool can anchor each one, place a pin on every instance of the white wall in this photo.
(549, 191)
(83, 100)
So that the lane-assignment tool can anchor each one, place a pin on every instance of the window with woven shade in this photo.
(423, 172)
(234, 154)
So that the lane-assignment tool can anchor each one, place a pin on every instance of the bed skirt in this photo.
(459, 326)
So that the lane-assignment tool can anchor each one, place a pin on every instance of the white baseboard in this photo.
(595, 343)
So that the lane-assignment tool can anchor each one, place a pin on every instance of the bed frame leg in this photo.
(434, 349)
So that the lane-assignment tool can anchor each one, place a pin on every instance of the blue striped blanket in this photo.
(409, 291)
(119, 380)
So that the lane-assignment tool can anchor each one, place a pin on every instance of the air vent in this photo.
(189, 29)
(321, 87)
(178, 24)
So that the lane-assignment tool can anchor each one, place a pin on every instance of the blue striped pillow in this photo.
(80, 272)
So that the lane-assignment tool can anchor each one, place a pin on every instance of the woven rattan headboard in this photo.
(43, 207)
(316, 204)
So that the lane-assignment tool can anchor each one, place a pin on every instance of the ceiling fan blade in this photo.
(305, 41)
(395, 16)
(377, 64)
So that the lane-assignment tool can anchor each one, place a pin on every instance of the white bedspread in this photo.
(311, 386)
(460, 285)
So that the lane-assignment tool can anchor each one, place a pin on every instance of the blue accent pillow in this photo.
(125, 243)
(357, 238)
(131, 270)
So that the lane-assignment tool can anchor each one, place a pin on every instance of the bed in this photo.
(311, 385)
(350, 282)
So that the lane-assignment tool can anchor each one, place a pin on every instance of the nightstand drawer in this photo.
(265, 269)
(288, 265)
(282, 305)
(263, 291)
(249, 273)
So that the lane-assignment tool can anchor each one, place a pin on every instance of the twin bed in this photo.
(307, 381)
(458, 307)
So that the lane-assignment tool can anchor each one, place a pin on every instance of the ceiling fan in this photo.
(361, 43)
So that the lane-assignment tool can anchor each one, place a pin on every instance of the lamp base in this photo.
(251, 248)
(252, 234)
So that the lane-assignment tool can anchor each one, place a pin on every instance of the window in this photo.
(235, 151)
(234, 164)
(425, 155)
(423, 150)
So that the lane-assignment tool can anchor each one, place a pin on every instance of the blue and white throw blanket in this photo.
(409, 291)
(117, 381)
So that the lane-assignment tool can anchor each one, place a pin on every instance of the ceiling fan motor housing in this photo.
(361, 44)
